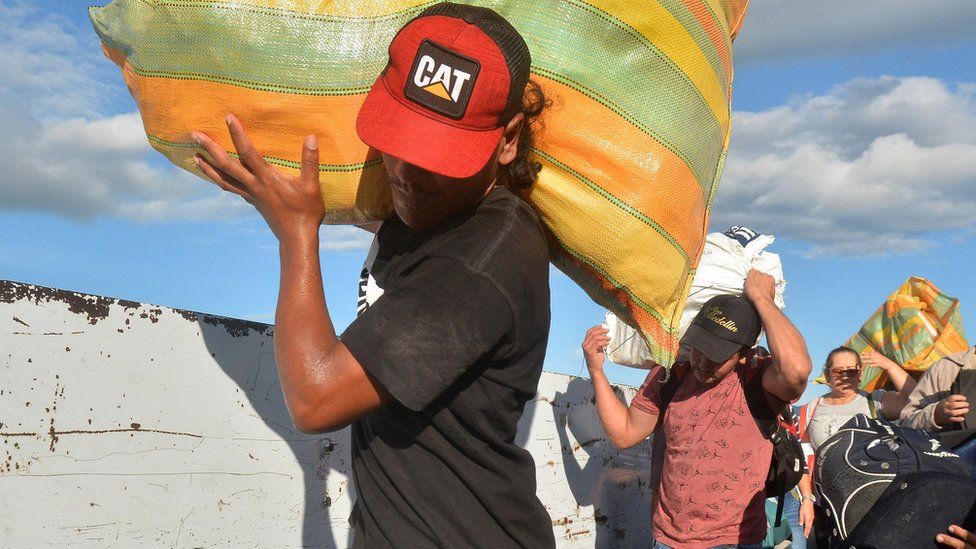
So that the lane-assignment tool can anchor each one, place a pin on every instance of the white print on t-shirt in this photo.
(369, 290)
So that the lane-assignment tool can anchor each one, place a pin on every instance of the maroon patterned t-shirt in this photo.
(716, 461)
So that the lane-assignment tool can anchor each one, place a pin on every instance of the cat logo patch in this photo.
(441, 80)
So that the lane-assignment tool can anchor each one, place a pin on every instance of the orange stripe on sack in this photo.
(641, 173)
(276, 122)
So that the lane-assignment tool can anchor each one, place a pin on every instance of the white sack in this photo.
(724, 264)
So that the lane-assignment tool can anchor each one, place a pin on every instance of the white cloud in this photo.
(343, 237)
(66, 148)
(780, 29)
(873, 166)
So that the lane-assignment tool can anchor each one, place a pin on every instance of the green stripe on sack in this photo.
(616, 202)
(680, 11)
(260, 86)
(648, 87)
(334, 168)
(325, 54)
(249, 43)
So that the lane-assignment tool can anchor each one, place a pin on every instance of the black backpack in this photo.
(786, 466)
(882, 485)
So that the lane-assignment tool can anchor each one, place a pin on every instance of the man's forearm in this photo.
(304, 334)
(612, 412)
(932, 387)
(791, 362)
(920, 418)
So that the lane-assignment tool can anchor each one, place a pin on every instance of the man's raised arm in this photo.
(625, 426)
(787, 377)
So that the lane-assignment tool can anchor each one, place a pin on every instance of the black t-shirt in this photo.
(458, 338)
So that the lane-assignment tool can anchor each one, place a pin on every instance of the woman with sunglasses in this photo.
(823, 416)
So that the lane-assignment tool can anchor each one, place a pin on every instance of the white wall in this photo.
(124, 424)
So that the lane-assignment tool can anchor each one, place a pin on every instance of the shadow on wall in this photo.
(613, 481)
(248, 360)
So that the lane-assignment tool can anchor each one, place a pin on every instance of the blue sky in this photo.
(854, 142)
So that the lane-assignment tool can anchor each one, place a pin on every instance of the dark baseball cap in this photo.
(455, 78)
(724, 325)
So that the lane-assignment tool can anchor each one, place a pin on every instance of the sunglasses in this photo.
(850, 372)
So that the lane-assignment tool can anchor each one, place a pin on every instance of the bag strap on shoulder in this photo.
(765, 416)
(806, 414)
(670, 384)
(872, 406)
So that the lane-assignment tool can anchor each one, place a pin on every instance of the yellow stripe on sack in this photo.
(198, 105)
(354, 9)
(659, 27)
(643, 173)
(639, 258)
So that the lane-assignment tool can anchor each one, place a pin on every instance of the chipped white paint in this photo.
(126, 425)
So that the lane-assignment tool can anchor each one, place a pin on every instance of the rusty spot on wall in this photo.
(188, 315)
(92, 306)
(236, 327)
(96, 308)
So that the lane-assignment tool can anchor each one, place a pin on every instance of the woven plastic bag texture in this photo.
(916, 326)
(725, 262)
(631, 152)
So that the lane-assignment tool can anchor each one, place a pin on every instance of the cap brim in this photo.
(715, 348)
(389, 126)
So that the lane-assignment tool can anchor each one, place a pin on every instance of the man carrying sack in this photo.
(435, 372)
(713, 411)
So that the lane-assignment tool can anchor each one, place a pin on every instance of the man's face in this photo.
(423, 200)
(709, 372)
(843, 374)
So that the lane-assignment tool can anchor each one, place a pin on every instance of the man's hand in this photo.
(878, 360)
(951, 409)
(595, 348)
(958, 538)
(806, 517)
(291, 205)
(759, 286)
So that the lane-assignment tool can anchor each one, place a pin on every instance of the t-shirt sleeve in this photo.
(648, 397)
(424, 334)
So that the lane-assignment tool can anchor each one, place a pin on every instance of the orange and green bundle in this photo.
(632, 150)
(915, 327)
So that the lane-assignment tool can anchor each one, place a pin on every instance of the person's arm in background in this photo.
(806, 503)
(893, 401)
(786, 378)
(930, 405)
(625, 426)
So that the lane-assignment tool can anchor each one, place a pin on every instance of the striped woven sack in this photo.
(631, 151)
(916, 326)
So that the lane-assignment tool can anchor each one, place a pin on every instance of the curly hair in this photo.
(523, 171)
